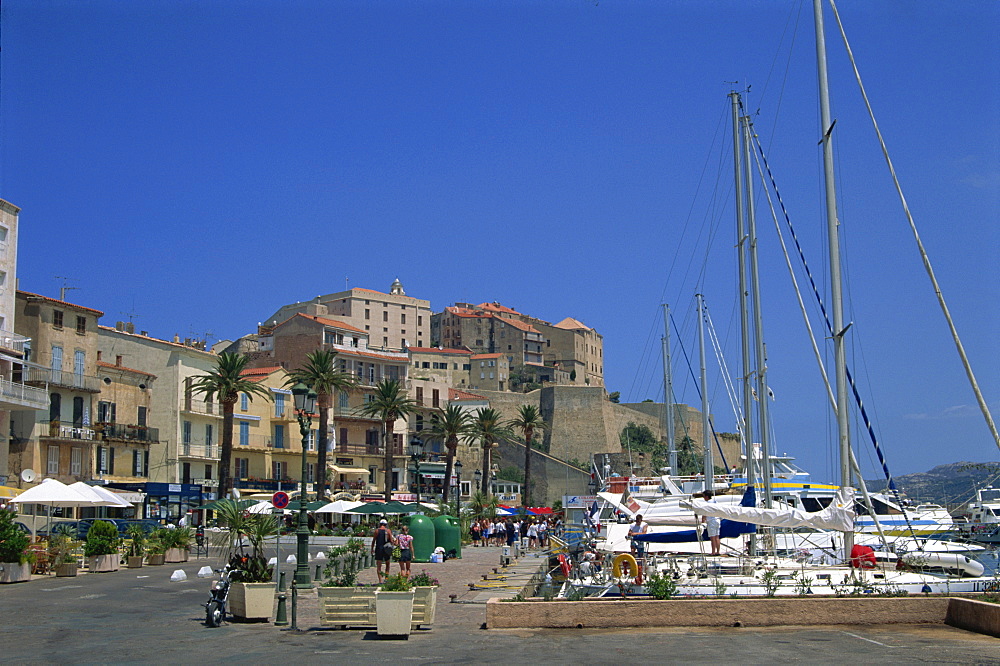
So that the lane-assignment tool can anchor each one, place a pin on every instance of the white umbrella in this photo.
(111, 497)
(260, 507)
(340, 506)
(96, 495)
(53, 493)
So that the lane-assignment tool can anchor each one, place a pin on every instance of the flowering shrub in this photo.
(423, 579)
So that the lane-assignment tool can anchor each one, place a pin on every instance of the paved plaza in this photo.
(139, 616)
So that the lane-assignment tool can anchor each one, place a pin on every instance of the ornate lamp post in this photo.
(416, 454)
(458, 487)
(305, 405)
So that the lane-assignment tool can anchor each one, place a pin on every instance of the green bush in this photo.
(661, 586)
(102, 539)
(396, 583)
(13, 542)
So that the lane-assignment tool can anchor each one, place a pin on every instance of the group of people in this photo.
(533, 532)
(384, 543)
(713, 527)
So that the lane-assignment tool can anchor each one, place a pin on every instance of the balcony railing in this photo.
(367, 449)
(201, 407)
(22, 396)
(200, 450)
(130, 433)
(13, 341)
(270, 485)
(37, 375)
(70, 430)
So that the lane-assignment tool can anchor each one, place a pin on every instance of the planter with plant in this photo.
(177, 544)
(394, 606)
(341, 601)
(155, 548)
(424, 599)
(15, 561)
(102, 547)
(62, 555)
(136, 546)
(251, 596)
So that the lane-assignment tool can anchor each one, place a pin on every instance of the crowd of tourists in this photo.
(532, 531)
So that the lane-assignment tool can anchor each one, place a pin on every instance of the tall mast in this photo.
(836, 288)
(668, 393)
(760, 351)
(746, 426)
(706, 426)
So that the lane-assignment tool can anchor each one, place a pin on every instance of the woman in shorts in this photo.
(405, 543)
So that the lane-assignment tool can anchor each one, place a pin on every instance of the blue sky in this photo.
(199, 164)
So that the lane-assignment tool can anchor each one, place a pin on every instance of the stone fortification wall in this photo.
(551, 478)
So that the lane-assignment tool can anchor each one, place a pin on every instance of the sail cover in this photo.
(727, 529)
(839, 515)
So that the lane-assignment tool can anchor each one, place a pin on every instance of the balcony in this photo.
(269, 485)
(336, 411)
(15, 396)
(201, 407)
(367, 449)
(34, 374)
(128, 433)
(70, 430)
(13, 341)
(200, 450)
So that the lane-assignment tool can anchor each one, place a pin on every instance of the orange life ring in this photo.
(564, 564)
(627, 560)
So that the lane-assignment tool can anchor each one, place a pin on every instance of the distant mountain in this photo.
(948, 485)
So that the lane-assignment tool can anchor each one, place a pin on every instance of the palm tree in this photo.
(486, 428)
(451, 423)
(320, 374)
(388, 403)
(528, 420)
(225, 383)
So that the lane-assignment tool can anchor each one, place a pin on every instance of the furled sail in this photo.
(839, 515)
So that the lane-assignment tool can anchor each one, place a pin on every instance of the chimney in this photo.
(118, 360)
(98, 355)
(130, 328)
(119, 326)
(177, 339)
(144, 334)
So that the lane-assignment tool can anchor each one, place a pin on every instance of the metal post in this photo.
(281, 617)
(302, 533)
(295, 603)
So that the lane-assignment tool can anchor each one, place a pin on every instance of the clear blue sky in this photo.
(199, 164)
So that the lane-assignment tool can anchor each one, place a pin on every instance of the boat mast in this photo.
(836, 287)
(746, 426)
(668, 393)
(706, 426)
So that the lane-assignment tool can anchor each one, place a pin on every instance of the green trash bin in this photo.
(424, 538)
(448, 535)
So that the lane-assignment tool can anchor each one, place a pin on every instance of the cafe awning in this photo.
(356, 471)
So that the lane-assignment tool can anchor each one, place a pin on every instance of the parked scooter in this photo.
(215, 609)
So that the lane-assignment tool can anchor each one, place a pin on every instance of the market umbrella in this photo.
(260, 507)
(414, 507)
(381, 507)
(113, 497)
(293, 506)
(96, 497)
(340, 506)
(53, 493)
(214, 505)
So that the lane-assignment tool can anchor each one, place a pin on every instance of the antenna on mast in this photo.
(63, 289)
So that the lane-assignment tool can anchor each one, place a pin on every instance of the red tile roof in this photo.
(111, 329)
(369, 354)
(571, 324)
(478, 356)
(455, 394)
(436, 350)
(102, 364)
(247, 372)
(496, 307)
(329, 322)
(373, 291)
(56, 300)
(518, 324)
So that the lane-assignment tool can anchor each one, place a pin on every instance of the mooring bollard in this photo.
(295, 602)
(281, 617)
(319, 569)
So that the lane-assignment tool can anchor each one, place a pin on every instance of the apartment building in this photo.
(489, 372)
(449, 366)
(575, 348)
(15, 395)
(123, 434)
(393, 321)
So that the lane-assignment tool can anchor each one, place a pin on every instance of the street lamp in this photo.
(458, 487)
(416, 453)
(305, 405)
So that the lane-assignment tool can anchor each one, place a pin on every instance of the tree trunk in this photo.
(526, 495)
(449, 467)
(387, 462)
(226, 449)
(486, 468)
(323, 399)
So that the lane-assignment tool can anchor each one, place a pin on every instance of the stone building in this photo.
(122, 422)
(489, 372)
(449, 366)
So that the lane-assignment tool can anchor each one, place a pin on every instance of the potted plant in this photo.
(61, 555)
(155, 548)
(178, 543)
(15, 560)
(394, 606)
(342, 602)
(101, 547)
(424, 598)
(136, 546)
(251, 596)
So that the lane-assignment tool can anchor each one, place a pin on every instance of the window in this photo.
(209, 435)
(279, 435)
(106, 412)
(310, 472)
(53, 460)
(385, 315)
(55, 404)
(420, 320)
(368, 313)
(186, 432)
(79, 359)
(435, 398)
(343, 437)
(244, 402)
(137, 465)
(76, 461)
(279, 470)
(342, 400)
(491, 375)
(141, 416)
(105, 460)
(242, 468)
(244, 433)
(354, 342)
(385, 341)
(419, 423)
(79, 412)
(208, 472)
(57, 318)
(420, 396)
(81, 325)
(57, 363)
(402, 319)
(279, 405)
(466, 366)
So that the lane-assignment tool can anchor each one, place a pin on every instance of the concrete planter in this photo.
(66, 570)
(251, 601)
(103, 563)
(424, 603)
(155, 560)
(13, 572)
(346, 606)
(174, 555)
(393, 613)
(133, 561)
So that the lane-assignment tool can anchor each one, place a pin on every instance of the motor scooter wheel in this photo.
(214, 614)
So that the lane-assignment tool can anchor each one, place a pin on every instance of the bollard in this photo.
(319, 570)
(295, 602)
(281, 617)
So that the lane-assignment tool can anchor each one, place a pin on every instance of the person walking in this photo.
(405, 543)
(475, 532)
(382, 545)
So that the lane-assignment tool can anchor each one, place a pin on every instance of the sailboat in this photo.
(842, 566)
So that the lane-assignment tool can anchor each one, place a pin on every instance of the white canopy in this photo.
(99, 496)
(54, 493)
(340, 506)
(260, 507)
(838, 516)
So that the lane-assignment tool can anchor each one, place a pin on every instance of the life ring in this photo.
(564, 564)
(626, 559)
